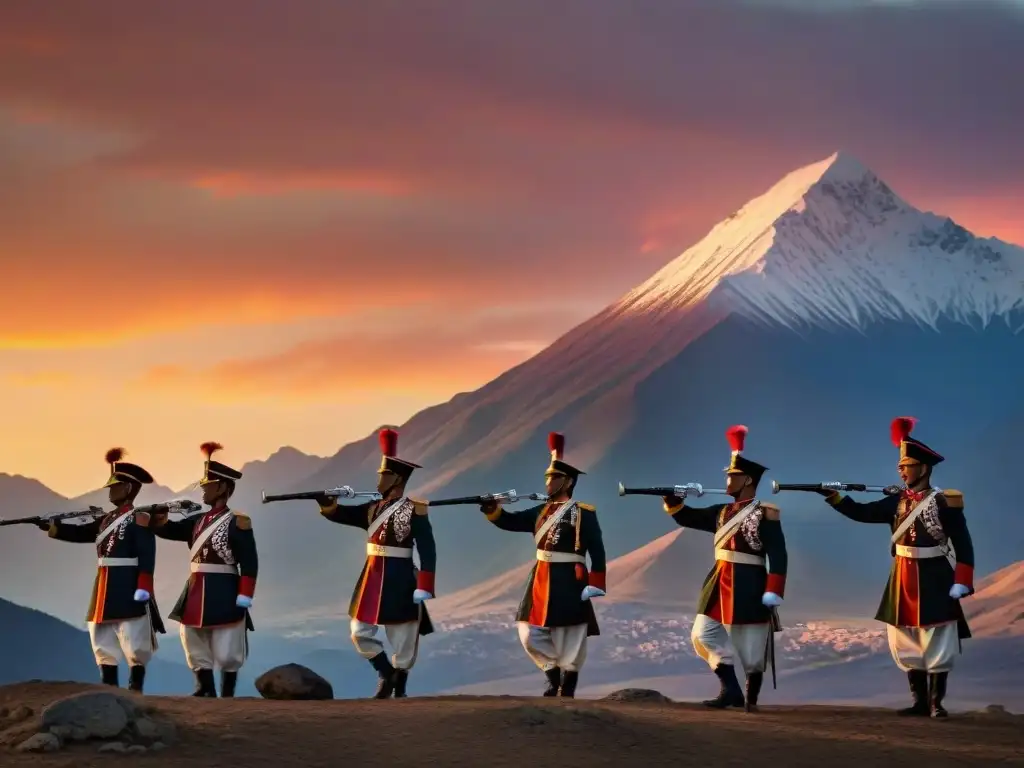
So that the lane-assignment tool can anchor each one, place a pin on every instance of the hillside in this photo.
(997, 607)
(37, 646)
(471, 731)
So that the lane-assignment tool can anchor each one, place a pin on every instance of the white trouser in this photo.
(715, 643)
(562, 647)
(931, 649)
(404, 639)
(205, 647)
(133, 637)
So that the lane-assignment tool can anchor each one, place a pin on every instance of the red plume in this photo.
(115, 455)
(556, 444)
(388, 442)
(737, 437)
(901, 428)
(209, 449)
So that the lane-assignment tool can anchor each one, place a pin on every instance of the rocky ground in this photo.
(80, 723)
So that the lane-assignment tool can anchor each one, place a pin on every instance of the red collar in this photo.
(916, 495)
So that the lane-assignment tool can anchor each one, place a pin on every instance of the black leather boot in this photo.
(108, 675)
(731, 694)
(554, 676)
(919, 690)
(206, 685)
(386, 675)
(228, 681)
(136, 678)
(754, 680)
(400, 679)
(568, 689)
(937, 692)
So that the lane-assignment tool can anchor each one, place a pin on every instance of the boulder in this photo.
(40, 742)
(293, 681)
(644, 695)
(89, 715)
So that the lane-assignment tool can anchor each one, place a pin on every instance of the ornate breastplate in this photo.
(927, 530)
(749, 533)
(561, 532)
(396, 530)
(114, 539)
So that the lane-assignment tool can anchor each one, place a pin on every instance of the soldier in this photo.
(556, 616)
(122, 617)
(920, 606)
(213, 609)
(736, 617)
(390, 592)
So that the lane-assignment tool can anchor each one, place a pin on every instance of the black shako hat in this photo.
(738, 465)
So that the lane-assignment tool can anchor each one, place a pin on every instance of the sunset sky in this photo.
(280, 223)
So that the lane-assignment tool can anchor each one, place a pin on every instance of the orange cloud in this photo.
(238, 184)
(42, 379)
(427, 359)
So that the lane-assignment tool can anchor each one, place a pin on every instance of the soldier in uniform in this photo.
(736, 617)
(122, 617)
(213, 609)
(390, 592)
(556, 616)
(921, 603)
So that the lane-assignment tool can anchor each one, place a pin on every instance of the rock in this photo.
(157, 746)
(135, 749)
(18, 714)
(633, 695)
(113, 746)
(293, 681)
(3, 713)
(90, 715)
(995, 709)
(70, 732)
(41, 742)
(148, 729)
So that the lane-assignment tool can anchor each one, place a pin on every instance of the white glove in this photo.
(589, 592)
(957, 591)
(141, 596)
(420, 595)
(771, 600)
(243, 601)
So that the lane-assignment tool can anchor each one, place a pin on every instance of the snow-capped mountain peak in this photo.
(832, 244)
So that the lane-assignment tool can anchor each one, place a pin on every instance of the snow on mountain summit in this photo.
(832, 244)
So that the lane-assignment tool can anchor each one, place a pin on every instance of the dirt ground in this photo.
(508, 731)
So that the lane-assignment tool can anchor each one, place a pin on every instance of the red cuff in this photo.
(425, 581)
(596, 579)
(964, 574)
(776, 583)
(247, 586)
(145, 582)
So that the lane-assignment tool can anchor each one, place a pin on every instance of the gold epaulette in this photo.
(243, 521)
(419, 507)
(771, 511)
(587, 507)
(142, 519)
(954, 499)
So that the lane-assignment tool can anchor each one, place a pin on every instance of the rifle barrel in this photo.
(657, 491)
(455, 501)
(267, 498)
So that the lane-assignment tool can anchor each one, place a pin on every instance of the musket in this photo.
(508, 497)
(341, 492)
(34, 519)
(671, 490)
(888, 490)
(183, 506)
